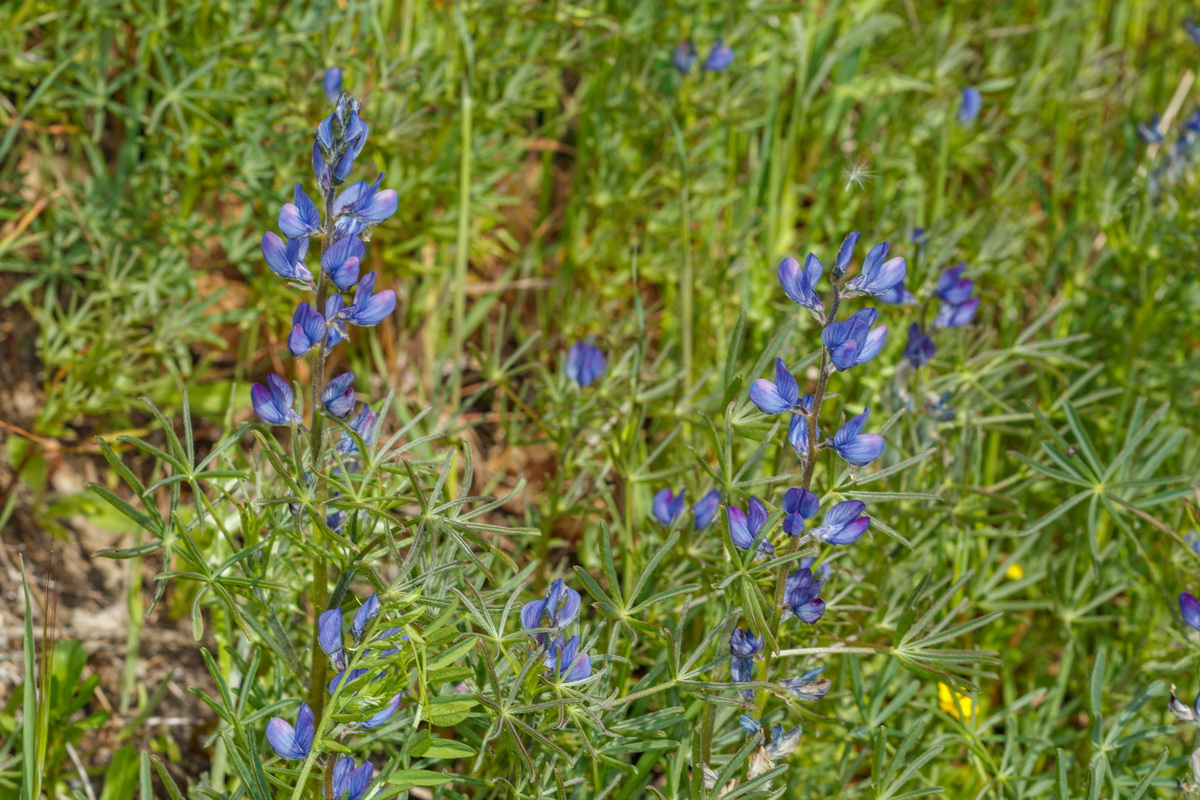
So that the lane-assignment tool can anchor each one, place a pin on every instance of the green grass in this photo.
(559, 179)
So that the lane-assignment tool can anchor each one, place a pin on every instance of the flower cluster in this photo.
(320, 325)
(668, 506)
(1180, 156)
(719, 58)
(956, 310)
(543, 619)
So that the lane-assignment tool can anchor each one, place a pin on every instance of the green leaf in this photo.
(408, 778)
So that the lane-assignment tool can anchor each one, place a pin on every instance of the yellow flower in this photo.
(953, 703)
(1015, 572)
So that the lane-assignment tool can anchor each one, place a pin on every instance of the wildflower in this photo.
(719, 58)
(877, 275)
(555, 611)
(350, 782)
(334, 312)
(969, 106)
(338, 395)
(800, 284)
(749, 724)
(340, 138)
(331, 82)
(384, 714)
(852, 341)
(585, 363)
(1185, 713)
(958, 307)
(370, 309)
(329, 636)
(289, 742)
(954, 703)
(743, 529)
(798, 505)
(919, 348)
(368, 611)
(844, 523)
(684, 57)
(782, 744)
(939, 407)
(1189, 606)
(364, 425)
(341, 261)
(273, 402)
(361, 205)
(898, 295)
(1014, 572)
(809, 687)
(299, 217)
(1150, 134)
(565, 662)
(743, 646)
(706, 508)
(802, 596)
(798, 428)
(776, 397)
(308, 330)
(855, 447)
(845, 253)
(668, 505)
(286, 260)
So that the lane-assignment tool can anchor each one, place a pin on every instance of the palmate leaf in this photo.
(916, 637)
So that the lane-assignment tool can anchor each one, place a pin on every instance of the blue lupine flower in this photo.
(308, 330)
(898, 295)
(585, 363)
(919, 348)
(555, 611)
(854, 446)
(338, 395)
(292, 743)
(852, 341)
(802, 596)
(384, 714)
(1192, 541)
(361, 205)
(844, 523)
(350, 782)
(783, 394)
(953, 288)
(877, 275)
(342, 260)
(743, 646)
(364, 425)
(286, 260)
(335, 310)
(332, 83)
(565, 662)
(329, 636)
(949, 316)
(684, 57)
(346, 677)
(273, 402)
(809, 687)
(706, 508)
(1183, 713)
(782, 744)
(370, 309)
(743, 530)
(1189, 606)
(719, 58)
(845, 253)
(1150, 134)
(368, 611)
(749, 724)
(939, 407)
(1192, 30)
(299, 217)
(798, 428)
(340, 138)
(800, 284)
(823, 572)
(799, 505)
(969, 106)
(668, 505)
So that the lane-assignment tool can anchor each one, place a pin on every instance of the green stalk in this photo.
(460, 242)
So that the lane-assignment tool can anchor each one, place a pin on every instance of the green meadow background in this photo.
(559, 179)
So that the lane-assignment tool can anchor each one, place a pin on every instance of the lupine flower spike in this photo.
(292, 742)
(844, 523)
(743, 528)
(668, 505)
(585, 363)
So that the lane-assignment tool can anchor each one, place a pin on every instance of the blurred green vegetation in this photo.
(558, 179)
